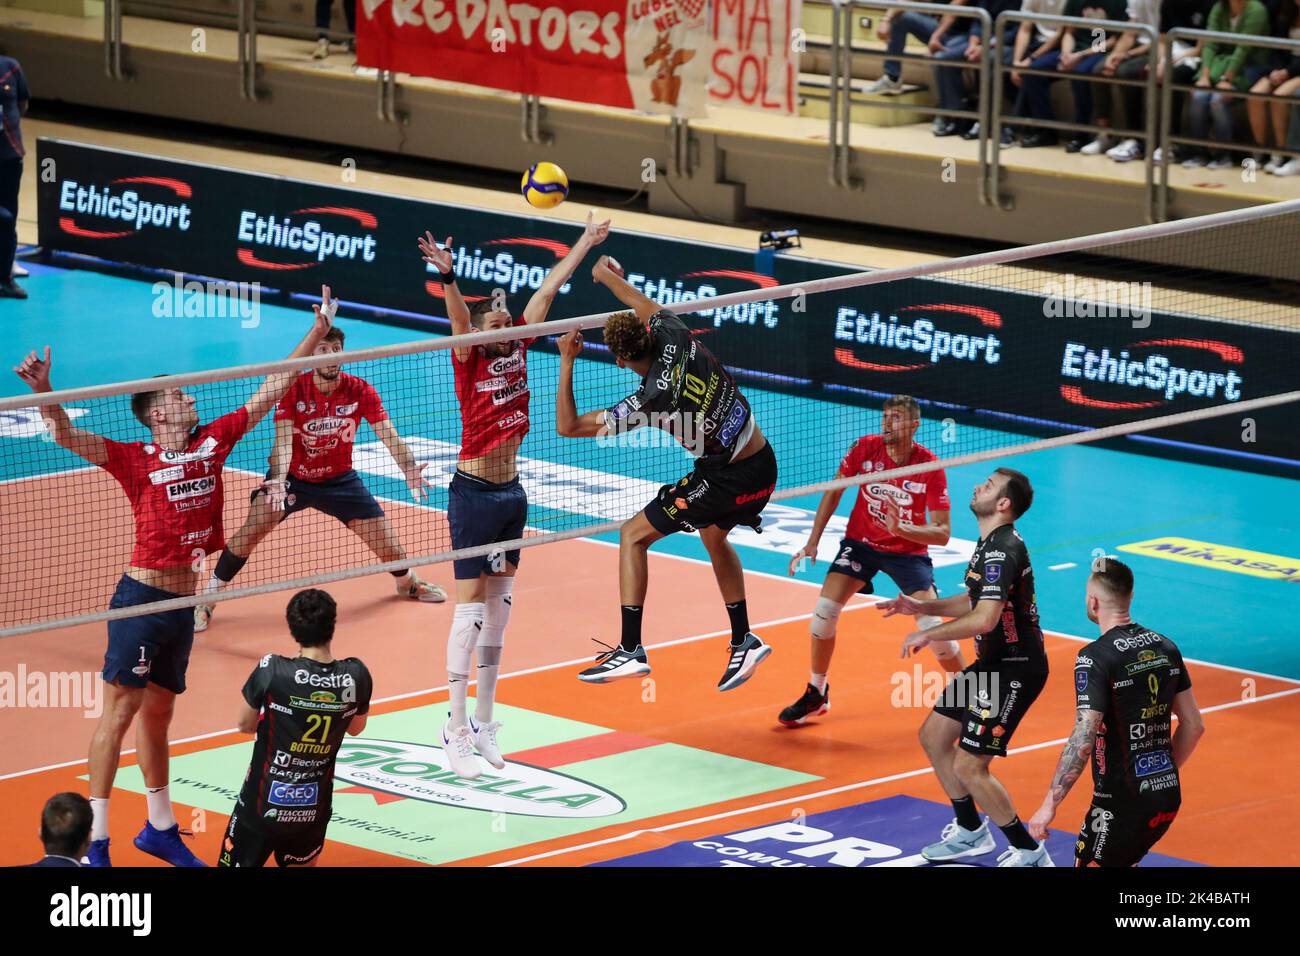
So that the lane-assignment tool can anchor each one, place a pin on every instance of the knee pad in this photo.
(466, 626)
(498, 602)
(825, 619)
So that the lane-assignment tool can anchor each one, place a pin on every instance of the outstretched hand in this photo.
(35, 371)
(595, 232)
(439, 257)
(324, 312)
(571, 345)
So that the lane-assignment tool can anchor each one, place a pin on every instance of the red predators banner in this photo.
(648, 55)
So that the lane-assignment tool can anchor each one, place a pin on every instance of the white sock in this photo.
(214, 584)
(404, 577)
(496, 616)
(466, 626)
(819, 681)
(159, 802)
(99, 818)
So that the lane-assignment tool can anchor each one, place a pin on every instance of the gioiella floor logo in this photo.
(124, 206)
(418, 772)
(306, 237)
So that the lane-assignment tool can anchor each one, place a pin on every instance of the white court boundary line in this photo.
(854, 605)
(892, 778)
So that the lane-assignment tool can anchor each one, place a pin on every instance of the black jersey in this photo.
(1132, 675)
(688, 393)
(999, 570)
(306, 708)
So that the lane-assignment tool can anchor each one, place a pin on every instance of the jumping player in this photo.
(687, 392)
(487, 503)
(887, 532)
(981, 707)
(299, 708)
(175, 486)
(1129, 682)
(311, 467)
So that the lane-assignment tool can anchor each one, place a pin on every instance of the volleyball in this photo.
(544, 185)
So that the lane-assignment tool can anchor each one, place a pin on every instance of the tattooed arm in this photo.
(1073, 762)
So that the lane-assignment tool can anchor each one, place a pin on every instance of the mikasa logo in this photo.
(419, 772)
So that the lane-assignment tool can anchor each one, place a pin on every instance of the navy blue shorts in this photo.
(483, 512)
(151, 647)
(857, 559)
(344, 497)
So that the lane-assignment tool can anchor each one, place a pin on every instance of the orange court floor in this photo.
(865, 749)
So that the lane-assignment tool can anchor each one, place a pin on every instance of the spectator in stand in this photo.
(1082, 53)
(1225, 69)
(1280, 81)
(1130, 60)
(13, 104)
(1002, 46)
(1037, 47)
(1188, 15)
(324, 10)
(945, 39)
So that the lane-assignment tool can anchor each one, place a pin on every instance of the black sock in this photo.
(1018, 836)
(228, 565)
(968, 817)
(739, 614)
(631, 627)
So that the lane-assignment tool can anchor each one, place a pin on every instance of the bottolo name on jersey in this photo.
(420, 772)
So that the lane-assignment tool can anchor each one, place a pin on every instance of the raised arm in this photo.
(593, 234)
(568, 422)
(276, 384)
(35, 371)
(440, 258)
(609, 273)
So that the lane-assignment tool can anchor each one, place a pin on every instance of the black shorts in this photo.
(1121, 832)
(989, 701)
(344, 497)
(484, 512)
(248, 846)
(857, 559)
(720, 497)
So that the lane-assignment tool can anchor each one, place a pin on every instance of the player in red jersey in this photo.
(487, 502)
(174, 484)
(311, 467)
(888, 531)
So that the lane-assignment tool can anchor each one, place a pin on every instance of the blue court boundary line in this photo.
(1164, 447)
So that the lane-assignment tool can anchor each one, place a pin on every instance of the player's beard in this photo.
(987, 509)
(329, 373)
(501, 349)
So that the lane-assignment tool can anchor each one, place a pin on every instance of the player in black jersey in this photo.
(982, 706)
(1130, 683)
(300, 708)
(688, 393)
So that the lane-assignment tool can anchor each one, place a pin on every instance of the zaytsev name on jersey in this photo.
(688, 393)
(1132, 675)
(306, 708)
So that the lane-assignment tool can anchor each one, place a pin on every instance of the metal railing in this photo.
(1146, 33)
(1169, 88)
(841, 79)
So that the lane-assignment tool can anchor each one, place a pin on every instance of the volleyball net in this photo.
(1165, 333)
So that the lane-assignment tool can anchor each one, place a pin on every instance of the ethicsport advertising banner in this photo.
(965, 348)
